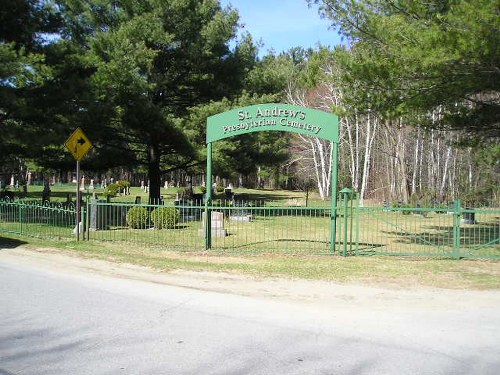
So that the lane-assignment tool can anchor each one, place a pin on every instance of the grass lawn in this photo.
(375, 270)
(287, 231)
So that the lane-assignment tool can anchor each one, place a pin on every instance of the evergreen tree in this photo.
(153, 60)
(415, 56)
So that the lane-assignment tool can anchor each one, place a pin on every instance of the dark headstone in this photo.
(186, 210)
(469, 218)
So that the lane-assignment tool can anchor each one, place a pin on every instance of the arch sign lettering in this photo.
(280, 117)
(273, 117)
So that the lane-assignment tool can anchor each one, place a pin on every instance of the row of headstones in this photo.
(467, 217)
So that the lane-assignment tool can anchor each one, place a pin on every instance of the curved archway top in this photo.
(273, 116)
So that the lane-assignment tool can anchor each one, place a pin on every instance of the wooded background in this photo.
(416, 85)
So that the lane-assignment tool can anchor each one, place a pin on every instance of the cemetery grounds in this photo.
(286, 237)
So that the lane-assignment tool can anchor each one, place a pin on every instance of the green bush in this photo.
(137, 217)
(165, 217)
(219, 188)
(203, 189)
(406, 206)
(111, 190)
(407, 209)
(123, 184)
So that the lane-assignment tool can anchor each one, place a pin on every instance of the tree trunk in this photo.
(371, 131)
(415, 164)
(154, 175)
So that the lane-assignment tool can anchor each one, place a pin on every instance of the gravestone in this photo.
(98, 220)
(228, 194)
(240, 213)
(186, 211)
(217, 224)
(199, 199)
(469, 217)
(385, 206)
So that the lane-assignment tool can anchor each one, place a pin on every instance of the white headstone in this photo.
(217, 221)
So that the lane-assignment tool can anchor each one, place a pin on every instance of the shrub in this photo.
(219, 188)
(123, 184)
(111, 190)
(203, 189)
(165, 217)
(137, 217)
(406, 207)
(406, 210)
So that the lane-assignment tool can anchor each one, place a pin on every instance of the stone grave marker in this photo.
(217, 224)
(186, 211)
(240, 213)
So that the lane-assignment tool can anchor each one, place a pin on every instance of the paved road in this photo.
(56, 321)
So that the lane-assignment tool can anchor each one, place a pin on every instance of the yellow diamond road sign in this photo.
(78, 144)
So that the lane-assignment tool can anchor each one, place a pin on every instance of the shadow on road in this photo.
(10, 243)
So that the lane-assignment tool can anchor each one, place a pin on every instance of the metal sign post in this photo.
(79, 145)
(208, 199)
(78, 208)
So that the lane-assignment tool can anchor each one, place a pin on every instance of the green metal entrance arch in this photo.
(273, 117)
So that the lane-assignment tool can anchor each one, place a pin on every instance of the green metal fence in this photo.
(237, 227)
(261, 228)
(444, 232)
(37, 219)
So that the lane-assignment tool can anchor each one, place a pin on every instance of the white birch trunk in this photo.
(371, 131)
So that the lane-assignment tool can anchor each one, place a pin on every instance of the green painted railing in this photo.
(259, 228)
(453, 232)
(36, 219)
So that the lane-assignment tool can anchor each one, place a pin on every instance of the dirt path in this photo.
(321, 294)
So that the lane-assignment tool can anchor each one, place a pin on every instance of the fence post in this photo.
(345, 195)
(456, 228)
(20, 218)
(357, 223)
(87, 220)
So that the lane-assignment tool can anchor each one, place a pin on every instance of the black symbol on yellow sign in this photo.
(78, 144)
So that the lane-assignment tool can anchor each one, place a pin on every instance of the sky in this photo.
(283, 24)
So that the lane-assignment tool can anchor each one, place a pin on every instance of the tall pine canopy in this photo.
(420, 56)
(152, 60)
